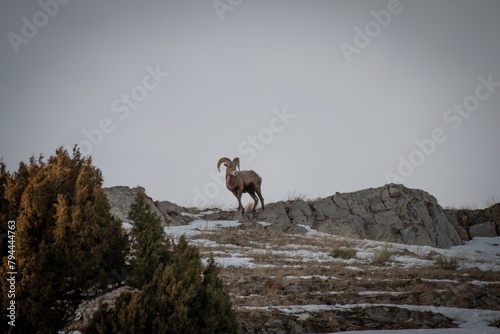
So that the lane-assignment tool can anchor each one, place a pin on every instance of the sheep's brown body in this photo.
(239, 182)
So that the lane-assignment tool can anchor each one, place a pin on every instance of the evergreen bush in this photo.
(178, 294)
(68, 247)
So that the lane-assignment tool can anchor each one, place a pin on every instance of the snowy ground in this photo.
(297, 276)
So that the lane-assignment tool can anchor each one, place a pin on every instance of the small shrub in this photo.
(311, 201)
(472, 206)
(491, 200)
(294, 196)
(496, 322)
(443, 262)
(383, 255)
(344, 253)
(233, 240)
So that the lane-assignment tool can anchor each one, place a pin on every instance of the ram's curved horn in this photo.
(222, 160)
(237, 162)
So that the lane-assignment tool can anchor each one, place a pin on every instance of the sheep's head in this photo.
(233, 167)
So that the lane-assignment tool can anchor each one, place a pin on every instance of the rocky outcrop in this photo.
(477, 222)
(175, 214)
(392, 213)
(120, 199)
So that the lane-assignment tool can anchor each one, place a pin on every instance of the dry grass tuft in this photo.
(491, 200)
(496, 322)
(294, 196)
(448, 263)
(344, 253)
(383, 255)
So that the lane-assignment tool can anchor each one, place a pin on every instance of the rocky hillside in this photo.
(306, 266)
(392, 213)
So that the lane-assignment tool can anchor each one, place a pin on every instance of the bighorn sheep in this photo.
(239, 182)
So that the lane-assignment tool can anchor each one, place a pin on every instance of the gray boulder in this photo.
(173, 213)
(300, 213)
(277, 215)
(120, 199)
(391, 213)
(485, 229)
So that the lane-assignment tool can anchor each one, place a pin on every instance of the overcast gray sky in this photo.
(316, 96)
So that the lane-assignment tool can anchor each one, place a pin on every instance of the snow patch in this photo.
(197, 227)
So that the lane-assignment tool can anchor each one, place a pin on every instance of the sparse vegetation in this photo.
(346, 231)
(294, 196)
(344, 253)
(68, 247)
(249, 207)
(471, 206)
(496, 322)
(491, 200)
(383, 255)
(178, 294)
(220, 206)
(313, 200)
(232, 240)
(267, 256)
(448, 263)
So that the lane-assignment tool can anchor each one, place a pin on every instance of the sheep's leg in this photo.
(261, 199)
(255, 199)
(238, 197)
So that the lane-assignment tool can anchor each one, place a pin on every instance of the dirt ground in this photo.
(285, 288)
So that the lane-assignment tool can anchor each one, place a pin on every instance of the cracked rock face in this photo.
(392, 213)
(471, 223)
(120, 199)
